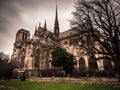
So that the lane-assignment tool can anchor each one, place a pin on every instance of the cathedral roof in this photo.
(34, 38)
(49, 33)
(69, 33)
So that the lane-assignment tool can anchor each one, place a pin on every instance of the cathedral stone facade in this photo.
(33, 55)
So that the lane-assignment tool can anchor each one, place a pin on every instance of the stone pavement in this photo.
(76, 79)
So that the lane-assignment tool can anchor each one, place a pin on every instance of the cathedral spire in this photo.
(45, 26)
(39, 25)
(36, 29)
(56, 24)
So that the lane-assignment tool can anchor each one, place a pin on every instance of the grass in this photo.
(32, 85)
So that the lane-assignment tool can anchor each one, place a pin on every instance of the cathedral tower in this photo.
(22, 36)
(56, 24)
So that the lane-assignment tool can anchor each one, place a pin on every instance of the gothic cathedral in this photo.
(33, 55)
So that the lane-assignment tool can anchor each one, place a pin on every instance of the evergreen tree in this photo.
(61, 58)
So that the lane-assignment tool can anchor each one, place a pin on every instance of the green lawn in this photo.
(32, 85)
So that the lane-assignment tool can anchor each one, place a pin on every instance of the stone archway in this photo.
(81, 64)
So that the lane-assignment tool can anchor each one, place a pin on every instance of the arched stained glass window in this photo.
(81, 64)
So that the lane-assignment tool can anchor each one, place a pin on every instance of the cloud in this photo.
(8, 13)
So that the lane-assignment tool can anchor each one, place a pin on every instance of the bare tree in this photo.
(100, 19)
(6, 69)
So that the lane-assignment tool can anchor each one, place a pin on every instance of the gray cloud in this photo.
(8, 11)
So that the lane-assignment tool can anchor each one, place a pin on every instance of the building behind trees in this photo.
(34, 55)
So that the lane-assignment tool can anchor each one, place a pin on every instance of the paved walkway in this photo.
(74, 79)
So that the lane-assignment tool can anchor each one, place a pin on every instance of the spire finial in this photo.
(56, 11)
(45, 26)
(56, 4)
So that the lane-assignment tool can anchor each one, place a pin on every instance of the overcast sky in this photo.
(17, 14)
